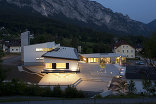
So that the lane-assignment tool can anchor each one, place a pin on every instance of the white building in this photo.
(63, 59)
(112, 58)
(11, 46)
(33, 53)
(54, 57)
(124, 49)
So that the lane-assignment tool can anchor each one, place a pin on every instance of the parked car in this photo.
(139, 63)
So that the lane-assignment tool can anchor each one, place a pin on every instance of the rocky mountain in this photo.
(152, 25)
(84, 13)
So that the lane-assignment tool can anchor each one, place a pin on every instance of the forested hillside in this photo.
(15, 21)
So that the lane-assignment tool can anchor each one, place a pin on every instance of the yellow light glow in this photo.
(61, 65)
(43, 49)
(48, 65)
(74, 68)
(92, 60)
(84, 59)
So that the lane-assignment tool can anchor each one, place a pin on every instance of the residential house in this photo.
(125, 49)
(12, 46)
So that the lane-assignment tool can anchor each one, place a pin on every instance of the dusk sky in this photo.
(141, 10)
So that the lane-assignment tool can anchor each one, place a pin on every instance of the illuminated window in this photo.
(105, 60)
(61, 65)
(40, 58)
(43, 49)
(92, 59)
(48, 65)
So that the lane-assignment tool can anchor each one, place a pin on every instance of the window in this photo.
(127, 46)
(12, 49)
(131, 55)
(131, 51)
(16, 49)
(48, 65)
(127, 51)
(40, 58)
(123, 46)
(43, 49)
(92, 60)
(123, 51)
(60, 65)
(57, 65)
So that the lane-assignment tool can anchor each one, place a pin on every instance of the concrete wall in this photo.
(15, 49)
(30, 53)
(24, 42)
(73, 65)
(125, 48)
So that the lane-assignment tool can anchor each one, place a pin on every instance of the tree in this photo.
(150, 49)
(102, 64)
(149, 87)
(1, 75)
(57, 92)
(121, 86)
(131, 87)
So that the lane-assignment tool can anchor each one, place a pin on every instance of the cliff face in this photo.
(87, 12)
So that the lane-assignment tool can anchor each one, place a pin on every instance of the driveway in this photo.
(96, 79)
(93, 78)
(11, 60)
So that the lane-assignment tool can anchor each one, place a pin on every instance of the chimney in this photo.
(25, 40)
(79, 49)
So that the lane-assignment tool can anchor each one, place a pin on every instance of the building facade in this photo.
(124, 49)
(108, 58)
(61, 59)
(33, 53)
(11, 46)
(52, 56)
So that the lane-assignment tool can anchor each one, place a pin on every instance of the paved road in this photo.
(91, 101)
(12, 60)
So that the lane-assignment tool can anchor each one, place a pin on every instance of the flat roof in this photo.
(63, 53)
(48, 44)
(100, 55)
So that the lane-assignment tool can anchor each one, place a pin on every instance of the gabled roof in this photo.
(63, 53)
(118, 44)
(13, 42)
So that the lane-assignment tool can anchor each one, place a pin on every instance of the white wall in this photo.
(125, 48)
(15, 49)
(73, 65)
(30, 53)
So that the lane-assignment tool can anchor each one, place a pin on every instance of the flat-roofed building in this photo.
(105, 57)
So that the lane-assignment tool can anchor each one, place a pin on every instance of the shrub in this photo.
(57, 92)
(72, 92)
